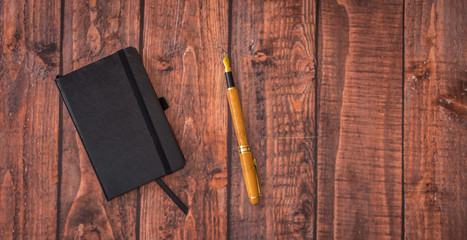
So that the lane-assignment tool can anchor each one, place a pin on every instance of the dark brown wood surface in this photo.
(356, 112)
(273, 63)
(360, 119)
(435, 126)
(29, 116)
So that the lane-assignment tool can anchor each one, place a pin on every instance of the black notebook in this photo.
(121, 122)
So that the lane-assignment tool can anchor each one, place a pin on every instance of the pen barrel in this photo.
(237, 116)
(247, 161)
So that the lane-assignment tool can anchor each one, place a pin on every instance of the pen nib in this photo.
(226, 64)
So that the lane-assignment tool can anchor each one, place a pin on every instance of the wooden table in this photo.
(356, 112)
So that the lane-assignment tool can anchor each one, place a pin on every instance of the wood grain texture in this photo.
(360, 119)
(184, 42)
(273, 64)
(92, 30)
(435, 119)
(29, 62)
(391, 143)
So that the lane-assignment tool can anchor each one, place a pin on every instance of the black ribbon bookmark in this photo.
(172, 196)
(161, 183)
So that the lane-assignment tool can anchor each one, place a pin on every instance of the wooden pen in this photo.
(246, 158)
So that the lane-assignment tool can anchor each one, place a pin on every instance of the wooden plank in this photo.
(360, 119)
(93, 30)
(184, 43)
(273, 63)
(435, 124)
(29, 115)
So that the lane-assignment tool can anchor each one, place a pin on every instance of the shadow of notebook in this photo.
(121, 123)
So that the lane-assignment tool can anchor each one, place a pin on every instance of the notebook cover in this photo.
(121, 122)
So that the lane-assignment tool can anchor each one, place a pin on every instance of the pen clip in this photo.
(257, 178)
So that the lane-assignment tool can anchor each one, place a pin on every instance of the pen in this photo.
(248, 162)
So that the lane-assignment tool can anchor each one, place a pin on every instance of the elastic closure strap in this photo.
(144, 111)
(152, 131)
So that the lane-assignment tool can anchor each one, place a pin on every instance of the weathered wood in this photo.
(360, 119)
(273, 63)
(29, 115)
(435, 124)
(183, 48)
(360, 115)
(93, 30)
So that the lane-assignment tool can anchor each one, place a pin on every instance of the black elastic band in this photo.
(172, 196)
(152, 131)
(164, 103)
(144, 111)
